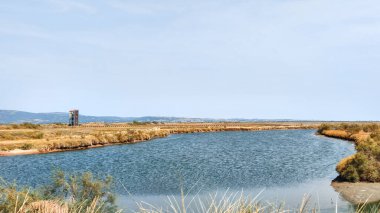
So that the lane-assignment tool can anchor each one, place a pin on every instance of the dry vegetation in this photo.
(82, 193)
(365, 164)
(59, 137)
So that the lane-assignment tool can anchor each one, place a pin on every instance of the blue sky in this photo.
(299, 59)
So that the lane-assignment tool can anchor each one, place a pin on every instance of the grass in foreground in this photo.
(84, 194)
(65, 194)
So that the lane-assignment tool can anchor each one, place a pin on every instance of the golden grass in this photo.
(343, 163)
(337, 134)
(346, 135)
(47, 138)
(46, 206)
(239, 203)
(52, 206)
(229, 203)
(364, 165)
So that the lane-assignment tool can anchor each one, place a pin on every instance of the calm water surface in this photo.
(285, 164)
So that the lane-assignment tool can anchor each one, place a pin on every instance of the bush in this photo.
(375, 136)
(365, 164)
(350, 174)
(25, 125)
(6, 136)
(26, 146)
(324, 127)
(74, 193)
(344, 163)
(81, 190)
(14, 199)
(360, 167)
(355, 128)
(139, 123)
(371, 127)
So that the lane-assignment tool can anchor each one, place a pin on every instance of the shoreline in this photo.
(160, 133)
(17, 152)
(357, 193)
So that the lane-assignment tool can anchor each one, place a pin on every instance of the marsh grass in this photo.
(81, 193)
(365, 164)
(240, 203)
(26, 126)
(75, 139)
(368, 208)
(54, 137)
(17, 135)
(228, 203)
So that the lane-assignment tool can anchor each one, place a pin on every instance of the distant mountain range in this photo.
(12, 116)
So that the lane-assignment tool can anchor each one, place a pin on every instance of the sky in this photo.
(269, 59)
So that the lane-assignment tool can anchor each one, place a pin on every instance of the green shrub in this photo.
(350, 174)
(14, 198)
(76, 193)
(371, 127)
(30, 126)
(139, 123)
(324, 127)
(370, 172)
(375, 135)
(26, 146)
(365, 164)
(81, 190)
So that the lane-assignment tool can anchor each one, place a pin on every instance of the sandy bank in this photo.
(37, 151)
(19, 152)
(358, 193)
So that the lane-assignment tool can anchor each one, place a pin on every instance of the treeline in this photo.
(365, 164)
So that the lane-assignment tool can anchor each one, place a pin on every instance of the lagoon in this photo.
(281, 164)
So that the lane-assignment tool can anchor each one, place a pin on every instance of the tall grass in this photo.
(81, 193)
(229, 203)
(239, 203)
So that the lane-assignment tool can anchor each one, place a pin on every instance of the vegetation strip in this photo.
(359, 174)
(37, 139)
(365, 164)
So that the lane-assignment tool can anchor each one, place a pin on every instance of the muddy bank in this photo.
(358, 193)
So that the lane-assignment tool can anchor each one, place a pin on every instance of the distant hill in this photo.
(12, 116)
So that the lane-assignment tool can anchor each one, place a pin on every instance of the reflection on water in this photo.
(287, 164)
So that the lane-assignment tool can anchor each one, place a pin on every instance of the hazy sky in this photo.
(300, 59)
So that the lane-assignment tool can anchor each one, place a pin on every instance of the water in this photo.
(286, 164)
